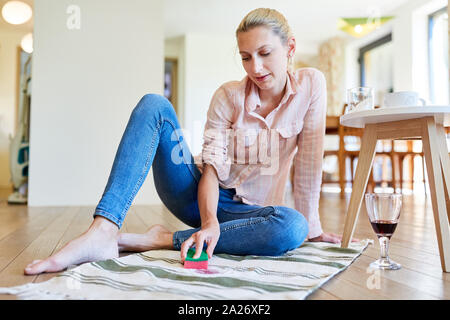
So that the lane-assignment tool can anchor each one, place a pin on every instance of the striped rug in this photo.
(158, 274)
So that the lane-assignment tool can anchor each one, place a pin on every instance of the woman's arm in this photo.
(208, 195)
(208, 198)
(215, 167)
(308, 162)
(309, 157)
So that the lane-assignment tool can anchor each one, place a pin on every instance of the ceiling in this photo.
(312, 21)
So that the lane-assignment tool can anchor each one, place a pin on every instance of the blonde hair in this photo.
(269, 18)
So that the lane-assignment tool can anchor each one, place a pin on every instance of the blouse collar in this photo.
(252, 99)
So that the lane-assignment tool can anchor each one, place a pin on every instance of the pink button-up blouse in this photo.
(254, 154)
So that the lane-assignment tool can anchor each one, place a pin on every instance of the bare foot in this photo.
(157, 237)
(99, 242)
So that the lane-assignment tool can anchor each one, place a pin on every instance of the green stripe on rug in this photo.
(329, 248)
(226, 282)
(336, 265)
(258, 270)
(123, 286)
(177, 281)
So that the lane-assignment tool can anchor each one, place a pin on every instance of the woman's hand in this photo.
(329, 237)
(209, 233)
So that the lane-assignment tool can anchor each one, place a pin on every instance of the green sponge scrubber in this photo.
(200, 263)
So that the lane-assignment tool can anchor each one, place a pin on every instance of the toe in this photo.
(41, 266)
(30, 266)
(35, 267)
(33, 262)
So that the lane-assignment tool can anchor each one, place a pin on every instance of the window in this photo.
(438, 57)
(375, 61)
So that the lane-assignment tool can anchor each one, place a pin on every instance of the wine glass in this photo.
(360, 98)
(384, 211)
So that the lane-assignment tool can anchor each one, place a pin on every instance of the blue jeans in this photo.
(153, 138)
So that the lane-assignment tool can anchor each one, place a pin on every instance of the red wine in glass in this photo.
(384, 228)
(384, 211)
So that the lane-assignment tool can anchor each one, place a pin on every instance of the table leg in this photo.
(445, 163)
(341, 162)
(365, 161)
(431, 145)
(400, 169)
(394, 168)
(409, 144)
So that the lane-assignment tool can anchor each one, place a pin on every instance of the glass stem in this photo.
(384, 246)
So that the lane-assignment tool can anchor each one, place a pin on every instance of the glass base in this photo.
(385, 264)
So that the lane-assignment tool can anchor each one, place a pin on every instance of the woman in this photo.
(232, 204)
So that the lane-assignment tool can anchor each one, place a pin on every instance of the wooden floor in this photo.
(27, 234)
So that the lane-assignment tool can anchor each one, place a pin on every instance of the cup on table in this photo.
(359, 99)
(403, 99)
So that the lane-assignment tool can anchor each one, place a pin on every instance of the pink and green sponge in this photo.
(200, 263)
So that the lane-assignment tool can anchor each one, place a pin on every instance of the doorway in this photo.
(171, 82)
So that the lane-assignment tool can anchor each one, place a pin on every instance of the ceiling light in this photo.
(27, 43)
(16, 12)
(359, 27)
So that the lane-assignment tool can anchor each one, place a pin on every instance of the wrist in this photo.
(211, 222)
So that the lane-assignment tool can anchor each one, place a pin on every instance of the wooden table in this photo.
(332, 125)
(426, 123)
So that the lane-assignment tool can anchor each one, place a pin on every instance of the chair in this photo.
(344, 152)
(408, 154)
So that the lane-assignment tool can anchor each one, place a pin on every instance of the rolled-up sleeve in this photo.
(309, 157)
(217, 132)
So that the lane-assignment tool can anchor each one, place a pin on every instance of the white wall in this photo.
(9, 44)
(210, 61)
(409, 37)
(86, 83)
